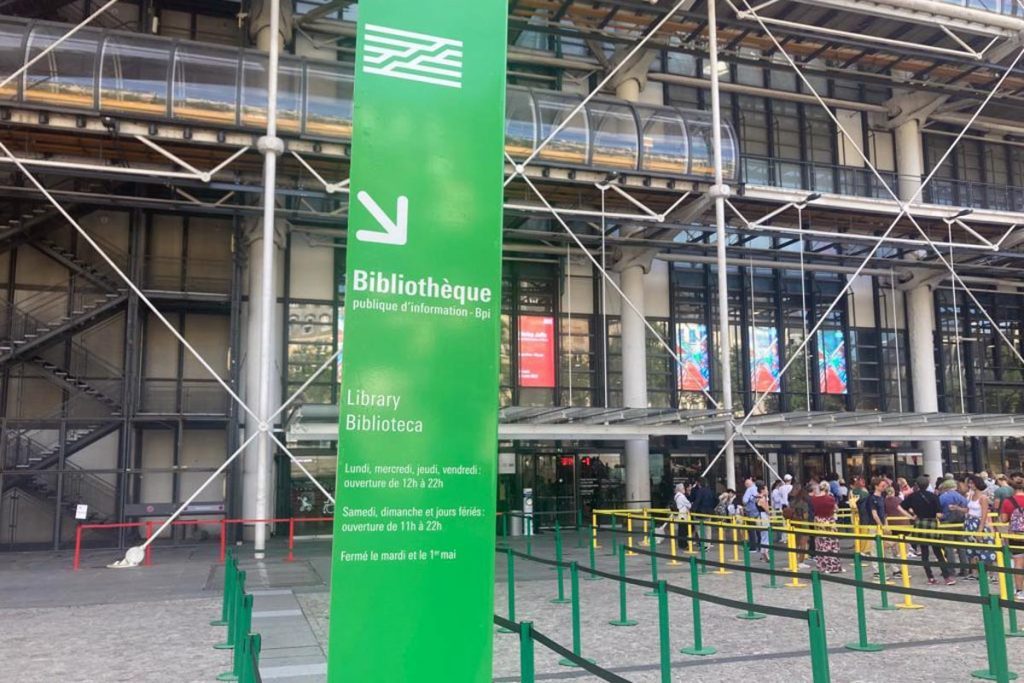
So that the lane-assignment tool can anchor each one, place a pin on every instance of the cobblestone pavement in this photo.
(151, 624)
(155, 642)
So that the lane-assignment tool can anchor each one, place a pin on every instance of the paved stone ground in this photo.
(150, 624)
(141, 641)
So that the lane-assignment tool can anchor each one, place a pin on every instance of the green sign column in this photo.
(412, 586)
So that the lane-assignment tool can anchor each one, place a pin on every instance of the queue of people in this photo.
(882, 504)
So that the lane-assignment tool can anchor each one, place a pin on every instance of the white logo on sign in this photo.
(412, 56)
(395, 231)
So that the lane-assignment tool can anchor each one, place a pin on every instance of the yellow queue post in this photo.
(721, 551)
(791, 546)
(908, 601)
(1004, 577)
(629, 535)
(672, 542)
(735, 544)
(593, 530)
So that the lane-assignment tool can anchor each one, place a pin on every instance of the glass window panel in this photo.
(730, 155)
(615, 140)
(786, 124)
(700, 146)
(520, 124)
(680, 63)
(570, 145)
(328, 103)
(66, 76)
(665, 143)
(11, 56)
(753, 125)
(134, 77)
(254, 94)
(755, 171)
(205, 85)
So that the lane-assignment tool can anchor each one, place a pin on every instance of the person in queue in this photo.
(750, 510)
(976, 521)
(764, 511)
(799, 510)
(703, 501)
(954, 504)
(897, 518)
(681, 508)
(1012, 514)
(823, 505)
(871, 509)
(924, 508)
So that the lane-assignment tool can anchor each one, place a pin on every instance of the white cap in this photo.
(788, 477)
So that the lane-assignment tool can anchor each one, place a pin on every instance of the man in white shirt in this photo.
(780, 496)
(682, 505)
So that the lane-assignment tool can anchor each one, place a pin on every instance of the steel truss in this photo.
(732, 429)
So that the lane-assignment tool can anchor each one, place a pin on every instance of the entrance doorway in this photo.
(553, 480)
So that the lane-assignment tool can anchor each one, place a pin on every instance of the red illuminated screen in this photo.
(536, 351)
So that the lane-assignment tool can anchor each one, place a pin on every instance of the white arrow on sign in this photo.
(395, 231)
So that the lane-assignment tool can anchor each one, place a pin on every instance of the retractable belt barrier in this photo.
(236, 614)
(661, 589)
(528, 634)
(991, 605)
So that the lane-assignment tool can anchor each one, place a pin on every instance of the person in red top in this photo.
(1012, 512)
(823, 507)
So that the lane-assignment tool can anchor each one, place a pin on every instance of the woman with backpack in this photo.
(1012, 513)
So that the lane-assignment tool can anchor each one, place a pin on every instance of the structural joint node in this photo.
(720, 191)
(267, 144)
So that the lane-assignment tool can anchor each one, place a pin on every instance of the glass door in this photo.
(813, 466)
(554, 490)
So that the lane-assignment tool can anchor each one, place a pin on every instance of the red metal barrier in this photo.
(291, 521)
(222, 523)
(148, 525)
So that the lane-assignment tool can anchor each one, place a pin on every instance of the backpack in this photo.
(1017, 517)
(722, 509)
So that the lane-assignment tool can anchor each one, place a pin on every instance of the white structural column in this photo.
(263, 330)
(629, 86)
(634, 385)
(919, 300)
(909, 157)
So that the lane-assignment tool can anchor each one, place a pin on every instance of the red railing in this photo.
(150, 525)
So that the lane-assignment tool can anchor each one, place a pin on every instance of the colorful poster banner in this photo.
(536, 351)
(412, 582)
(764, 360)
(694, 364)
(832, 374)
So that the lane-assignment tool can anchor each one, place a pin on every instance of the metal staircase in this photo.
(79, 487)
(39, 449)
(89, 375)
(73, 262)
(30, 325)
(25, 221)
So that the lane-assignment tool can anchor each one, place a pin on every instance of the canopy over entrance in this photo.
(320, 423)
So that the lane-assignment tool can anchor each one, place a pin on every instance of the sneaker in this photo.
(1019, 595)
(971, 577)
(932, 581)
(950, 581)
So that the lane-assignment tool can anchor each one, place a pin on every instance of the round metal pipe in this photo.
(724, 340)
